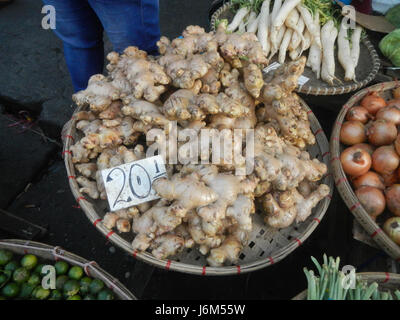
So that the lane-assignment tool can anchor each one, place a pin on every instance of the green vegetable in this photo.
(26, 290)
(34, 279)
(55, 295)
(390, 47)
(393, 16)
(75, 273)
(60, 282)
(5, 257)
(61, 267)
(42, 294)
(29, 261)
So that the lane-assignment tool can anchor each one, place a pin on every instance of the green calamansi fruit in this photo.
(75, 297)
(10, 290)
(71, 288)
(61, 267)
(3, 278)
(34, 279)
(29, 261)
(89, 297)
(42, 293)
(11, 266)
(38, 269)
(85, 285)
(56, 295)
(5, 257)
(26, 290)
(75, 273)
(60, 282)
(105, 294)
(21, 275)
(96, 286)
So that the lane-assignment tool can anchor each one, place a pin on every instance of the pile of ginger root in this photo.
(200, 80)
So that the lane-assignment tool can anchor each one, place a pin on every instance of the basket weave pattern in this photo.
(343, 185)
(266, 245)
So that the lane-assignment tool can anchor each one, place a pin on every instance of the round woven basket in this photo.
(343, 185)
(385, 280)
(50, 253)
(367, 68)
(266, 245)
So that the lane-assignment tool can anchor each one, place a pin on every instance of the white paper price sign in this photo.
(131, 183)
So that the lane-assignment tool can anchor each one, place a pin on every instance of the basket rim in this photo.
(321, 91)
(379, 277)
(278, 255)
(91, 268)
(342, 183)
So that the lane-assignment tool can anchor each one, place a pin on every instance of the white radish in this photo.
(251, 17)
(355, 42)
(315, 52)
(307, 40)
(328, 37)
(309, 22)
(284, 45)
(296, 53)
(344, 55)
(278, 40)
(298, 35)
(263, 23)
(275, 9)
(237, 19)
(283, 12)
(253, 25)
(242, 27)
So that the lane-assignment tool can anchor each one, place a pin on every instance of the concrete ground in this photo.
(35, 101)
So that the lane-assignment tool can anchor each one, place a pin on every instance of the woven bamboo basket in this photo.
(50, 253)
(366, 70)
(266, 245)
(386, 281)
(343, 185)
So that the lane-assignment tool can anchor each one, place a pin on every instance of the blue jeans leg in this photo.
(130, 22)
(78, 26)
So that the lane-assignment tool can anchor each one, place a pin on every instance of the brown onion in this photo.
(372, 200)
(392, 229)
(355, 161)
(396, 93)
(381, 132)
(371, 179)
(358, 113)
(352, 132)
(394, 103)
(390, 179)
(366, 147)
(392, 195)
(385, 160)
(397, 144)
(389, 113)
(373, 102)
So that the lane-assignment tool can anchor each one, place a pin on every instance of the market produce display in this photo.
(201, 80)
(21, 279)
(289, 28)
(371, 157)
(330, 283)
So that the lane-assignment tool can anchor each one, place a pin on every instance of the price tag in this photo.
(131, 183)
(301, 81)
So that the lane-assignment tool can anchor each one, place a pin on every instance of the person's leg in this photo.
(130, 22)
(82, 34)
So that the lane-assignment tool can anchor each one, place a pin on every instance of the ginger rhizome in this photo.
(200, 81)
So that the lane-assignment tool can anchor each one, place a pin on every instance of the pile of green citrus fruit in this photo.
(22, 280)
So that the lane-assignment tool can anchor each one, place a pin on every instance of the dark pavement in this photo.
(35, 100)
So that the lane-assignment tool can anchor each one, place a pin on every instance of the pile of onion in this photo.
(371, 159)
